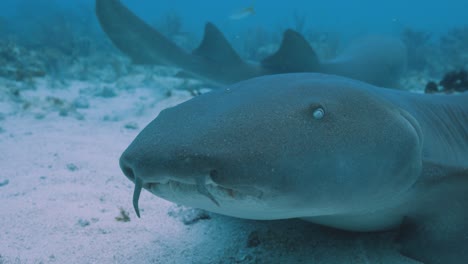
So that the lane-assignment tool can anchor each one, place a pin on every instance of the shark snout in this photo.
(133, 167)
(146, 170)
(154, 168)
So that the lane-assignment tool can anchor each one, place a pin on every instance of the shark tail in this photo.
(134, 37)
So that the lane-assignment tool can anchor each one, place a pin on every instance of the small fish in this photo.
(241, 14)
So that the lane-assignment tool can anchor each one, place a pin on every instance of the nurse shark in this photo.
(327, 149)
(379, 60)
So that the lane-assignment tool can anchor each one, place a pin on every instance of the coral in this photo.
(455, 81)
(418, 46)
(171, 26)
(431, 87)
(123, 216)
(45, 38)
(454, 47)
(436, 55)
(19, 63)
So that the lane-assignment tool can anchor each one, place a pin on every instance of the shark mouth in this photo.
(202, 186)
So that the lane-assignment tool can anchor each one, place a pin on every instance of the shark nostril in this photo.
(127, 170)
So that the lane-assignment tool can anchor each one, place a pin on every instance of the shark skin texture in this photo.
(330, 150)
(378, 60)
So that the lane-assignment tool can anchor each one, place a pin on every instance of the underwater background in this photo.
(435, 32)
(333, 15)
(429, 28)
(71, 102)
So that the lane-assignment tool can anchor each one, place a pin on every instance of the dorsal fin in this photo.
(294, 55)
(215, 48)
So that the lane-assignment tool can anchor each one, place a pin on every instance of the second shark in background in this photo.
(378, 60)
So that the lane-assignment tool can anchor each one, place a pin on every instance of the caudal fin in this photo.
(134, 37)
(214, 61)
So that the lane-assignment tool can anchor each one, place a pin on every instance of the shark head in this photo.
(280, 146)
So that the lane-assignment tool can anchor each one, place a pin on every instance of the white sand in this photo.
(65, 189)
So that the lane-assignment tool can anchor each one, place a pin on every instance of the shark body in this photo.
(327, 149)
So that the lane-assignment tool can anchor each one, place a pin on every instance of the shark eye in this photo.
(318, 113)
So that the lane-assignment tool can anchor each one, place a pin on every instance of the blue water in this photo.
(334, 15)
(345, 17)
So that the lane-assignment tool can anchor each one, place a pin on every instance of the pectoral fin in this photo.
(438, 234)
(438, 240)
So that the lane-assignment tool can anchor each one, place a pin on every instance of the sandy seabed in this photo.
(61, 190)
